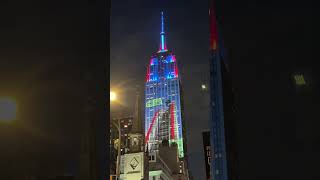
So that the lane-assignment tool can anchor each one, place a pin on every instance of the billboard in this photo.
(134, 166)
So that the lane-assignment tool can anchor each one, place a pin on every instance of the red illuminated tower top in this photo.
(213, 28)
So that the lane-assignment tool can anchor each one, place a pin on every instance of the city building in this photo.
(134, 161)
(125, 128)
(163, 163)
(222, 130)
(163, 102)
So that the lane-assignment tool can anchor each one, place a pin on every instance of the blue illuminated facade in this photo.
(224, 164)
(162, 94)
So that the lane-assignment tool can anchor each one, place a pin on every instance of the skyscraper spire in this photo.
(163, 46)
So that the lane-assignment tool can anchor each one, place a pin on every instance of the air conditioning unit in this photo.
(113, 177)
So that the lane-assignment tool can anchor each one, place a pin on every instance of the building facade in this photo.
(163, 106)
(125, 128)
(134, 162)
(222, 130)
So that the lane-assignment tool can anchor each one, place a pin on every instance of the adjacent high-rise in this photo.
(222, 130)
(163, 107)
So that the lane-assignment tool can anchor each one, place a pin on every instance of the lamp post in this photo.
(113, 97)
(118, 126)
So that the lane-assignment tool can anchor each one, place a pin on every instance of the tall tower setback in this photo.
(163, 106)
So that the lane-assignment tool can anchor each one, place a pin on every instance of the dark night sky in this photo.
(266, 43)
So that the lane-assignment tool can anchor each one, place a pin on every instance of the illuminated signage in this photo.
(207, 152)
(134, 166)
(154, 102)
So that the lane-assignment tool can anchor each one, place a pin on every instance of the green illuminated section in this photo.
(155, 173)
(154, 102)
(180, 146)
(299, 79)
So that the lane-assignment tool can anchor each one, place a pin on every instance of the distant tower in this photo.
(222, 124)
(135, 161)
(136, 135)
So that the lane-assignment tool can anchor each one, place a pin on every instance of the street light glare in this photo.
(113, 96)
(203, 86)
(8, 109)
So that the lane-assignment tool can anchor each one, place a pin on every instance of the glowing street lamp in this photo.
(113, 96)
(203, 87)
(8, 109)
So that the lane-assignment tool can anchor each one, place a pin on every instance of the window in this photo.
(217, 171)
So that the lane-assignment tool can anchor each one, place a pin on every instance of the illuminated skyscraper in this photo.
(222, 130)
(163, 107)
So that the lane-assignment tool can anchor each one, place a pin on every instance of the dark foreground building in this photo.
(223, 144)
